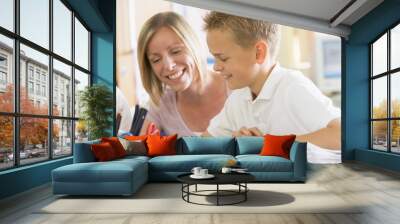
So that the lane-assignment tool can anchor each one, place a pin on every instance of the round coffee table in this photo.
(238, 179)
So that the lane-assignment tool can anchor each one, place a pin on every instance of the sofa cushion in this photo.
(111, 171)
(185, 163)
(206, 145)
(131, 158)
(249, 145)
(257, 163)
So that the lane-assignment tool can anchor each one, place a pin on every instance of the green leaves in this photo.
(96, 102)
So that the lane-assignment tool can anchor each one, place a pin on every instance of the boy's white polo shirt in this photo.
(288, 103)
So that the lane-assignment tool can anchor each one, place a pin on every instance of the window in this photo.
(81, 45)
(30, 73)
(7, 142)
(38, 89)
(6, 73)
(7, 14)
(62, 74)
(35, 25)
(3, 78)
(62, 29)
(3, 72)
(54, 126)
(81, 81)
(44, 91)
(37, 74)
(62, 130)
(385, 91)
(30, 87)
(3, 61)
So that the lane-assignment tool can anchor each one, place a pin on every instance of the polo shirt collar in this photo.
(268, 89)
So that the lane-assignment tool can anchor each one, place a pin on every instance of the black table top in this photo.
(220, 178)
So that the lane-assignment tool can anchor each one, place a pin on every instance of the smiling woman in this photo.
(185, 96)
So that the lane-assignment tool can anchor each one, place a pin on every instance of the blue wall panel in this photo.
(103, 63)
(356, 99)
(380, 159)
(24, 178)
(356, 84)
(99, 15)
(103, 58)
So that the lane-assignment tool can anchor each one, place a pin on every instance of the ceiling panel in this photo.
(321, 9)
(314, 15)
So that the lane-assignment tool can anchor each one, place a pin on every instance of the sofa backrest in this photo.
(83, 152)
(249, 145)
(206, 145)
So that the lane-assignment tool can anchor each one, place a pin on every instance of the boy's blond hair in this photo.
(154, 87)
(246, 31)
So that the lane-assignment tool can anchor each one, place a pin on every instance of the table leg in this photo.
(182, 190)
(245, 193)
(217, 194)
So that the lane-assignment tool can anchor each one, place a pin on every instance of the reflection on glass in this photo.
(395, 136)
(395, 94)
(379, 55)
(81, 45)
(6, 142)
(62, 138)
(35, 21)
(395, 47)
(34, 96)
(379, 135)
(81, 81)
(81, 131)
(6, 74)
(62, 29)
(62, 89)
(7, 14)
(379, 97)
(33, 139)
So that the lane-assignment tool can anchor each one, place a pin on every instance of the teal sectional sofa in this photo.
(125, 176)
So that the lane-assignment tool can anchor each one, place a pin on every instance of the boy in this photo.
(266, 98)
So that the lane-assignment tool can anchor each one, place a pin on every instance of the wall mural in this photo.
(192, 72)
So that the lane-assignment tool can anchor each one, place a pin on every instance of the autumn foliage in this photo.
(380, 127)
(33, 130)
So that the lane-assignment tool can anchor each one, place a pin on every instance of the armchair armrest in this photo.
(83, 152)
(298, 155)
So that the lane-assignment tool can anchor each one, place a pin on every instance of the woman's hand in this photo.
(254, 131)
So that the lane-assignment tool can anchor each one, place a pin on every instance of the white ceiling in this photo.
(315, 15)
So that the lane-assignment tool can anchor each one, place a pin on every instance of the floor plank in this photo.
(377, 189)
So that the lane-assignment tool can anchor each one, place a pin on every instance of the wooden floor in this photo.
(378, 188)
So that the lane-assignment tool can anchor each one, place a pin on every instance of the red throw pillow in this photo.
(277, 145)
(116, 145)
(161, 145)
(103, 151)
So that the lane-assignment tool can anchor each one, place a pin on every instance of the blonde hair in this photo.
(175, 22)
(246, 31)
